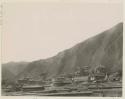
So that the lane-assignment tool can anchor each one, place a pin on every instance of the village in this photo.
(80, 83)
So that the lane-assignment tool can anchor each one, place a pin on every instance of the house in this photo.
(30, 81)
(61, 81)
(79, 79)
(97, 77)
(115, 77)
(32, 88)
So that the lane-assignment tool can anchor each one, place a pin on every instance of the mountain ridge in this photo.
(105, 48)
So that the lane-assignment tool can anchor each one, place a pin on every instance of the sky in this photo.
(38, 30)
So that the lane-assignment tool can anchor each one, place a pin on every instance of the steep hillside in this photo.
(105, 49)
(15, 67)
(7, 75)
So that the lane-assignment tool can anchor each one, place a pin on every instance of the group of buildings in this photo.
(99, 75)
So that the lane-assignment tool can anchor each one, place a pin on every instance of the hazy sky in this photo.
(34, 31)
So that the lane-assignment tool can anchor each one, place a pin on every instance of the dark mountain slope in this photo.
(7, 75)
(15, 67)
(11, 70)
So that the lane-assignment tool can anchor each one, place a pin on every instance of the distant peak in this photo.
(119, 24)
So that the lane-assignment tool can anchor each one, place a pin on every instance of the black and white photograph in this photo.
(62, 48)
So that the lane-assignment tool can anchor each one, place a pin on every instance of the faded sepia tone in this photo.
(62, 49)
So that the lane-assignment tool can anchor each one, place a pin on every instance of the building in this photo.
(79, 79)
(61, 81)
(32, 88)
(28, 80)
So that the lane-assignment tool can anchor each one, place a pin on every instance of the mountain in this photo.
(12, 69)
(105, 49)
(15, 67)
(7, 75)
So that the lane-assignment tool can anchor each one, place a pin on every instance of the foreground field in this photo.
(107, 90)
